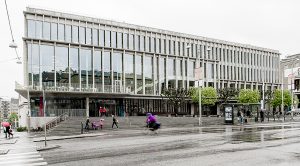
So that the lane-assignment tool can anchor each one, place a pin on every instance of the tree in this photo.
(208, 96)
(226, 94)
(277, 99)
(176, 97)
(269, 94)
(248, 96)
(12, 117)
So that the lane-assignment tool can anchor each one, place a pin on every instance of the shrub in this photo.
(21, 129)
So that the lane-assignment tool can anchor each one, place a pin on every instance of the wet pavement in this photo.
(261, 144)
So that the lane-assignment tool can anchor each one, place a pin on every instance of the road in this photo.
(260, 144)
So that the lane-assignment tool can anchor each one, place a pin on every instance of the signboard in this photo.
(198, 73)
(198, 83)
(228, 114)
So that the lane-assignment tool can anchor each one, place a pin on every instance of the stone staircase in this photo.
(72, 126)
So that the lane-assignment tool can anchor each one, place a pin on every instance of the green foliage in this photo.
(12, 117)
(21, 129)
(277, 99)
(248, 96)
(208, 95)
(227, 94)
(175, 96)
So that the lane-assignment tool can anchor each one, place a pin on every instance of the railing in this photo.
(66, 87)
(69, 112)
(56, 121)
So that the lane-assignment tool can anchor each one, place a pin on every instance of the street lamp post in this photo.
(292, 83)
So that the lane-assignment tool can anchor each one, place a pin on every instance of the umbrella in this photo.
(5, 124)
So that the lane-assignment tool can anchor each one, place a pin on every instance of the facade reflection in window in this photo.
(171, 73)
(137, 42)
(148, 73)
(117, 70)
(131, 42)
(61, 66)
(53, 31)
(139, 76)
(142, 43)
(129, 75)
(125, 40)
(47, 64)
(74, 67)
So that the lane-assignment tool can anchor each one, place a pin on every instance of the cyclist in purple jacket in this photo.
(152, 122)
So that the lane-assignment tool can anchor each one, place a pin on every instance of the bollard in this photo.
(81, 127)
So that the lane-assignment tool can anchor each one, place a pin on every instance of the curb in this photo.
(47, 148)
(41, 139)
(3, 152)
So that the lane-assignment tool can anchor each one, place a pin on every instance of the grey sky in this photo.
(271, 24)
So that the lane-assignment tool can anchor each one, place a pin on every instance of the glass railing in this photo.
(72, 87)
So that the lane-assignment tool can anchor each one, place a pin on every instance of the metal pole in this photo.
(44, 109)
(200, 109)
(282, 97)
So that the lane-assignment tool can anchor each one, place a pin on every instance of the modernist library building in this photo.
(84, 63)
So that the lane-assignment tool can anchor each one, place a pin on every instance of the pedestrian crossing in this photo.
(22, 159)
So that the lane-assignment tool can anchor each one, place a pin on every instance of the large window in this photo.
(38, 29)
(61, 66)
(97, 69)
(53, 31)
(33, 64)
(86, 68)
(107, 39)
(152, 44)
(74, 67)
(107, 68)
(179, 67)
(119, 40)
(117, 66)
(81, 35)
(68, 33)
(95, 37)
(88, 35)
(171, 67)
(75, 34)
(142, 43)
(31, 28)
(102, 37)
(61, 32)
(114, 39)
(148, 72)
(47, 63)
(162, 72)
(46, 30)
(139, 75)
(129, 75)
(125, 40)
(131, 42)
(137, 42)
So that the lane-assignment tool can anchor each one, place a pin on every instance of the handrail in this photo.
(57, 120)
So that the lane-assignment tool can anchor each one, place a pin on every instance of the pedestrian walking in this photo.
(262, 116)
(241, 117)
(87, 122)
(100, 111)
(115, 122)
(9, 131)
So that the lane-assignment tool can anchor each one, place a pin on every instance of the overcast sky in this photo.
(271, 24)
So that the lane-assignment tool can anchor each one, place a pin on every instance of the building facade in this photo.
(290, 70)
(83, 63)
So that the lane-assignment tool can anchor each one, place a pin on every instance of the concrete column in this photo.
(87, 101)
(192, 109)
(218, 110)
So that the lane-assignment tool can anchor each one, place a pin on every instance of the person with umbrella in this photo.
(7, 129)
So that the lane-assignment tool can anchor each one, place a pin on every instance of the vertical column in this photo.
(143, 74)
(112, 70)
(87, 102)
(102, 70)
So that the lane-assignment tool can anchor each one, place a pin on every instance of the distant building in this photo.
(4, 107)
(14, 106)
(290, 70)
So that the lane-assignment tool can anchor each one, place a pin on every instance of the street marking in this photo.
(24, 159)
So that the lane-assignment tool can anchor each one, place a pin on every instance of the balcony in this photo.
(66, 87)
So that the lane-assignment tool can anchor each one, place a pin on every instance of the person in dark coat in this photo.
(115, 122)
(262, 116)
(87, 122)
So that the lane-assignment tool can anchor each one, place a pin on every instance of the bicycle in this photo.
(150, 130)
